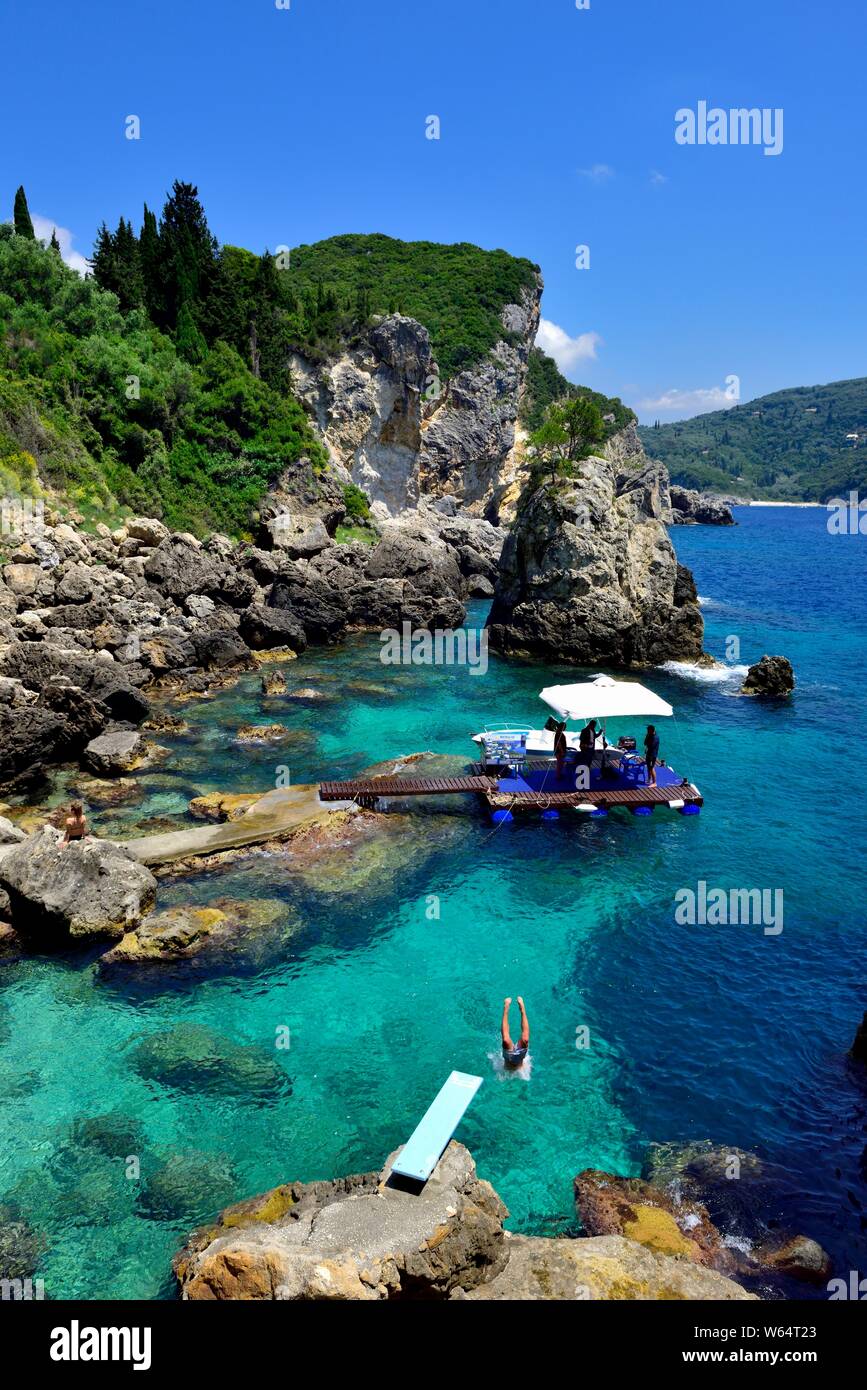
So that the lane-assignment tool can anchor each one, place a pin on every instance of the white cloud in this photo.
(567, 352)
(599, 173)
(657, 179)
(685, 403)
(44, 226)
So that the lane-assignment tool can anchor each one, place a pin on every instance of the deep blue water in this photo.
(696, 1032)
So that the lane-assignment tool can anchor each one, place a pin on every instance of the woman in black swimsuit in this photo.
(75, 824)
(514, 1054)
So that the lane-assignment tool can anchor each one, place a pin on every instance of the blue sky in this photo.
(557, 130)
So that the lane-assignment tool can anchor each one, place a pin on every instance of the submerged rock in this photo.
(261, 733)
(190, 1057)
(180, 933)
(772, 676)
(742, 1194)
(273, 683)
(859, 1045)
(799, 1257)
(185, 1186)
(365, 1239)
(20, 1246)
(87, 888)
(114, 1134)
(100, 793)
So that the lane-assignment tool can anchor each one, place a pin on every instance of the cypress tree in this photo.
(102, 260)
(55, 244)
(128, 284)
(21, 215)
(189, 253)
(150, 260)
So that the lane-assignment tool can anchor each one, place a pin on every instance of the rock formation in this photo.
(365, 1238)
(691, 508)
(737, 1198)
(772, 676)
(98, 619)
(89, 888)
(400, 433)
(588, 573)
(631, 1207)
(859, 1045)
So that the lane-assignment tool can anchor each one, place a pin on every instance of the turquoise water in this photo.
(402, 947)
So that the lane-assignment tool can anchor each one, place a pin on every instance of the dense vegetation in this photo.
(163, 383)
(120, 400)
(458, 292)
(791, 445)
(547, 385)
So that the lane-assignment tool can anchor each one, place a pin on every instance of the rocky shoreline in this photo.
(364, 1238)
(91, 625)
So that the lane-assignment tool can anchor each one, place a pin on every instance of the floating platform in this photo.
(536, 788)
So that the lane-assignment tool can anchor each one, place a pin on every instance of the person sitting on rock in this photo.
(651, 753)
(514, 1054)
(75, 824)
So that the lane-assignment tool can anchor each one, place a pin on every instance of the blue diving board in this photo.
(422, 1151)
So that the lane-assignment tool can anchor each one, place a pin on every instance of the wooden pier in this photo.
(367, 791)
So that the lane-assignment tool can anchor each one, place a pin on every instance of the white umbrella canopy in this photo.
(604, 698)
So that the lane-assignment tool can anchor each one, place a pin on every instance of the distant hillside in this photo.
(791, 445)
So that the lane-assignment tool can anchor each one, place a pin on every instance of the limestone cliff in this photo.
(398, 431)
(588, 573)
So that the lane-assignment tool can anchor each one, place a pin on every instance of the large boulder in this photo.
(354, 1238)
(606, 1268)
(588, 573)
(114, 753)
(772, 677)
(263, 627)
(179, 566)
(220, 648)
(88, 888)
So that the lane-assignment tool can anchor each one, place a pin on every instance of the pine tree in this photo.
(21, 215)
(55, 244)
